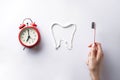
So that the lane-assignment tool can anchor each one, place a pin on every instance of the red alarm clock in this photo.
(29, 35)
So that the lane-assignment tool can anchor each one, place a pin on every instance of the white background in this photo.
(46, 63)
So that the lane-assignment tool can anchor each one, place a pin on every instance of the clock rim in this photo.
(38, 33)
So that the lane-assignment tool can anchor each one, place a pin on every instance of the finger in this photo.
(99, 51)
(89, 54)
(99, 47)
(90, 45)
(93, 52)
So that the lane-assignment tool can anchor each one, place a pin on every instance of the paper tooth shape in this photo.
(63, 33)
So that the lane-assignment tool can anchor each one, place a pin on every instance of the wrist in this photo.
(95, 75)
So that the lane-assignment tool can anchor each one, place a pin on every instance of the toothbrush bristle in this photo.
(93, 25)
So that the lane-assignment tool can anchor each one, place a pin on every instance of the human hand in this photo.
(94, 60)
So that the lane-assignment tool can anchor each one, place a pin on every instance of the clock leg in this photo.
(24, 48)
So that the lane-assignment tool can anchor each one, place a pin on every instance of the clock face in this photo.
(29, 36)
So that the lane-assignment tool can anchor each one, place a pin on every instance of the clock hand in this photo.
(28, 36)
(28, 33)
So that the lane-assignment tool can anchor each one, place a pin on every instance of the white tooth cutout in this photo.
(63, 33)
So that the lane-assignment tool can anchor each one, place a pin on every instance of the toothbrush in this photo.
(94, 33)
